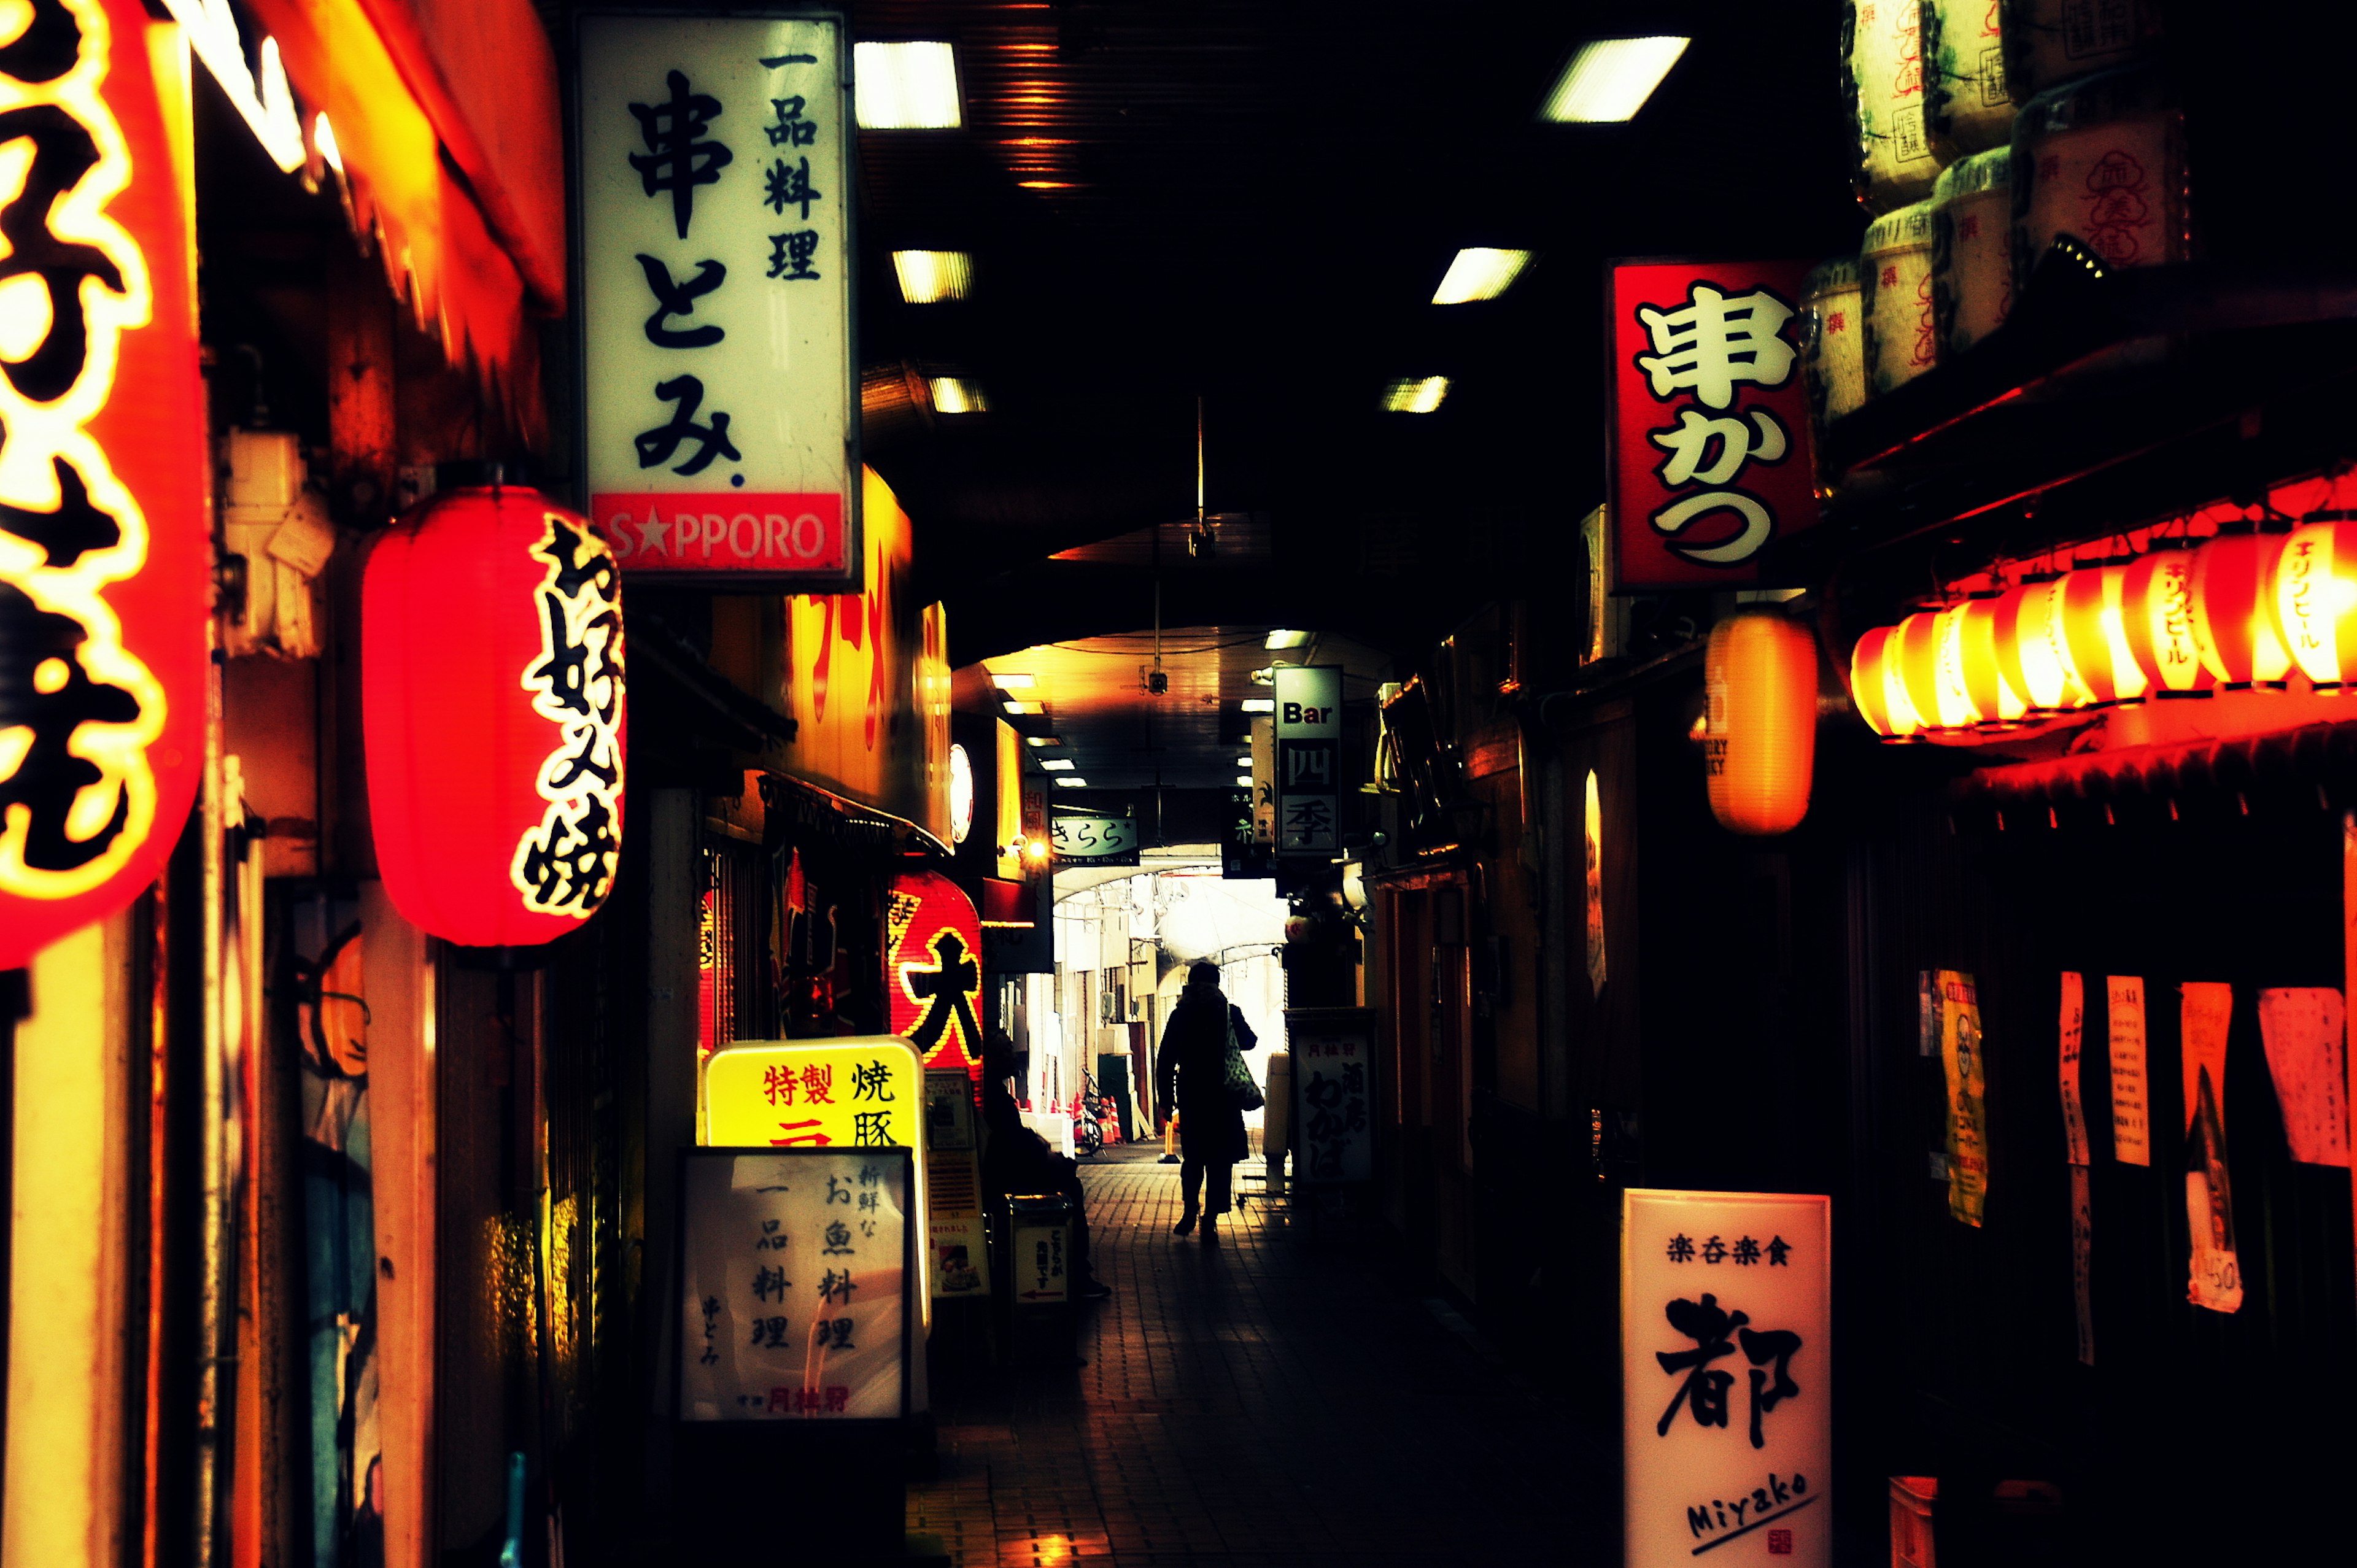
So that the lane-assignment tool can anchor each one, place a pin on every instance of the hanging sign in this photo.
(1727, 1362)
(2131, 1121)
(797, 1278)
(2305, 1035)
(1968, 1121)
(2205, 1010)
(492, 705)
(1309, 734)
(932, 969)
(104, 548)
(1333, 1057)
(1091, 838)
(1710, 420)
(865, 1093)
(716, 331)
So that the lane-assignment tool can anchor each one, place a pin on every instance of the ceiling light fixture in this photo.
(1415, 394)
(1283, 640)
(1610, 80)
(1014, 682)
(1043, 740)
(1243, 781)
(906, 87)
(1020, 709)
(1243, 762)
(1258, 704)
(927, 277)
(1068, 782)
(954, 394)
(1478, 273)
(1058, 764)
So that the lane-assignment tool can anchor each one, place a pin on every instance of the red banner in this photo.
(1710, 458)
(933, 970)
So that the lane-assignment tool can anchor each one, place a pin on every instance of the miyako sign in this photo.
(1727, 1369)
(716, 257)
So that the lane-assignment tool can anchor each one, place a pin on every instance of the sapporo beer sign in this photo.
(717, 263)
(1727, 1369)
(103, 548)
(1709, 451)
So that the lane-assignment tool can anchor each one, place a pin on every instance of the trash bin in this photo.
(1039, 1294)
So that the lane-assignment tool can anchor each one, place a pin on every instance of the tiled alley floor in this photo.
(1264, 1404)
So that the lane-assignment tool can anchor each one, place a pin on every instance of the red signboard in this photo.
(1709, 451)
(933, 970)
(710, 533)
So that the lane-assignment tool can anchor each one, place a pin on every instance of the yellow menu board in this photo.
(865, 1092)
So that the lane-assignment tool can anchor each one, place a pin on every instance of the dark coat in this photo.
(1192, 1074)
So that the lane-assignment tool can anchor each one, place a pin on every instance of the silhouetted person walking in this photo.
(1191, 1077)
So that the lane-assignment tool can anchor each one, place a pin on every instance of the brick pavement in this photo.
(1266, 1403)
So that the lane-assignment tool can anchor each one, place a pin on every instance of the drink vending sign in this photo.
(722, 444)
(1709, 453)
(1727, 1364)
(1308, 758)
(796, 1284)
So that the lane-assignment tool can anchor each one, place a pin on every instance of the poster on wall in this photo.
(720, 422)
(796, 1279)
(1967, 1116)
(2131, 1116)
(2305, 1033)
(1333, 1070)
(1727, 1369)
(1709, 447)
(959, 1261)
(2205, 1009)
(933, 968)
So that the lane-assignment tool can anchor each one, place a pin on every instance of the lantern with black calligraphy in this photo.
(491, 668)
(2312, 596)
(2157, 614)
(1760, 673)
(933, 970)
(104, 551)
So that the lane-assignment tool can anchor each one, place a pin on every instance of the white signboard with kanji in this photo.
(1308, 759)
(1333, 1052)
(1727, 1369)
(795, 1286)
(721, 428)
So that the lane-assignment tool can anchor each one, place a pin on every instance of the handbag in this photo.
(1242, 1092)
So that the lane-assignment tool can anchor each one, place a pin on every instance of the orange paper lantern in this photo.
(1994, 698)
(1869, 672)
(2157, 605)
(1915, 661)
(2233, 631)
(2094, 634)
(2311, 593)
(1761, 676)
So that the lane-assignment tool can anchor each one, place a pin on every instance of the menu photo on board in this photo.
(797, 1281)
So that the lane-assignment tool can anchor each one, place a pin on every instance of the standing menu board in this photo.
(797, 1271)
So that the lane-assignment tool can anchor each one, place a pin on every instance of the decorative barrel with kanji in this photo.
(493, 694)
(104, 551)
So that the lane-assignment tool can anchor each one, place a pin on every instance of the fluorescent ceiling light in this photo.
(1415, 394)
(1258, 704)
(954, 394)
(1476, 273)
(1280, 639)
(1043, 740)
(1015, 682)
(1610, 80)
(1068, 782)
(1020, 709)
(1058, 764)
(1243, 762)
(1243, 781)
(906, 87)
(927, 277)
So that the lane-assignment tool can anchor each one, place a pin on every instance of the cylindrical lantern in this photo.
(2311, 594)
(1996, 700)
(492, 669)
(2233, 628)
(1915, 661)
(1869, 668)
(1761, 676)
(1950, 688)
(2157, 605)
(2094, 634)
(2032, 650)
(105, 558)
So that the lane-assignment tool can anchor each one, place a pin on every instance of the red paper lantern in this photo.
(2032, 654)
(2233, 627)
(933, 970)
(2312, 596)
(492, 669)
(2094, 634)
(1995, 699)
(1915, 663)
(2157, 605)
(104, 552)
(1869, 675)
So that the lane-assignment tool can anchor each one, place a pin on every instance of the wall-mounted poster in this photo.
(2131, 1114)
(2205, 1010)
(2305, 1031)
(1967, 1120)
(1727, 1367)
(1333, 1070)
(795, 1286)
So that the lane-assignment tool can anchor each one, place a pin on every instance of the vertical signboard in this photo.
(1333, 1059)
(1264, 784)
(957, 1258)
(1309, 734)
(1710, 420)
(796, 1284)
(104, 547)
(717, 331)
(1727, 1369)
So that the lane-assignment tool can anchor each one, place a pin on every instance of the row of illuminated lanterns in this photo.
(2242, 610)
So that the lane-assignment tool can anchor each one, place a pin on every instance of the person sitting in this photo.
(1017, 1162)
(1191, 1078)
